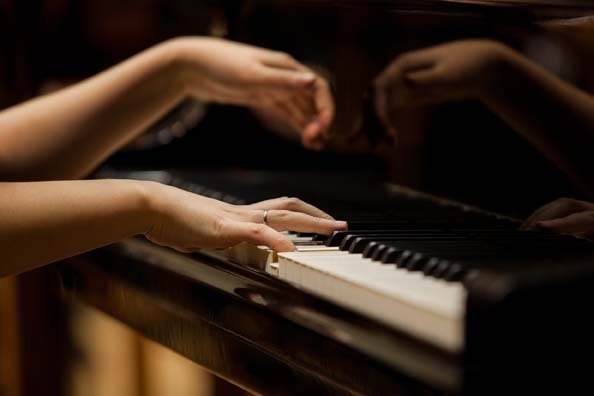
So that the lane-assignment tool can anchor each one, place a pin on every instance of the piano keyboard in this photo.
(409, 278)
(428, 308)
(403, 264)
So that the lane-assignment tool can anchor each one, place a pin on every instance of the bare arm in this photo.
(42, 222)
(554, 116)
(46, 221)
(67, 134)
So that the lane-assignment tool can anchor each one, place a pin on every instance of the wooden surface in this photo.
(252, 330)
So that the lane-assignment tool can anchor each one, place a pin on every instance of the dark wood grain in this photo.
(253, 330)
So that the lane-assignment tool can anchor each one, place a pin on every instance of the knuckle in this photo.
(282, 214)
(221, 226)
(293, 203)
(257, 230)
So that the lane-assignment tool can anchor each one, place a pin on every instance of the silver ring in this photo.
(265, 217)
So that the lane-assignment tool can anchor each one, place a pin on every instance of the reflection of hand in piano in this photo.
(189, 222)
(565, 216)
(453, 71)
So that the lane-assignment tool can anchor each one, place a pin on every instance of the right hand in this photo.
(452, 71)
(188, 222)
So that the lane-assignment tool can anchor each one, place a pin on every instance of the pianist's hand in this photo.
(565, 216)
(454, 71)
(188, 222)
(269, 82)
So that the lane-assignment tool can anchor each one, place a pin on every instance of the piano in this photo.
(423, 295)
(420, 296)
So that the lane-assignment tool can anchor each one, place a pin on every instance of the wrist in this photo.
(186, 62)
(142, 204)
(500, 67)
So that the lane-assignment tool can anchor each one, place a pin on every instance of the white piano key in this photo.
(426, 307)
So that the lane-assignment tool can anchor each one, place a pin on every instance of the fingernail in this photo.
(342, 224)
(305, 76)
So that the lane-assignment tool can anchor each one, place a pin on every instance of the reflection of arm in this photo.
(554, 116)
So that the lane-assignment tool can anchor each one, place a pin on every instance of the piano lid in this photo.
(535, 8)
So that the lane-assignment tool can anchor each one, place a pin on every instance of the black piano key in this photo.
(379, 252)
(441, 269)
(370, 249)
(347, 241)
(455, 273)
(432, 263)
(404, 258)
(336, 238)
(391, 255)
(307, 235)
(417, 262)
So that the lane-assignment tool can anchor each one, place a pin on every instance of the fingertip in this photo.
(287, 246)
(545, 224)
(304, 78)
(310, 137)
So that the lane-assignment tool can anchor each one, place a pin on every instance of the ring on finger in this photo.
(265, 217)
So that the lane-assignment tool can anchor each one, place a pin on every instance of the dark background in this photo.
(458, 150)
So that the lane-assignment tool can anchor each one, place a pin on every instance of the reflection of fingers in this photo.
(577, 223)
(285, 78)
(311, 136)
(292, 204)
(304, 101)
(324, 103)
(554, 210)
(258, 234)
(288, 111)
(406, 63)
(285, 220)
(282, 60)
(299, 118)
(425, 77)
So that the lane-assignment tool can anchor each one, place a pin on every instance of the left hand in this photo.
(564, 216)
(267, 81)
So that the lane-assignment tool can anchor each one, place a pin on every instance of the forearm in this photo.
(67, 134)
(42, 222)
(554, 116)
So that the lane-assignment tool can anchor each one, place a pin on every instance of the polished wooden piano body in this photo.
(524, 330)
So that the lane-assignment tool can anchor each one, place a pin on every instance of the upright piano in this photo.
(423, 295)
